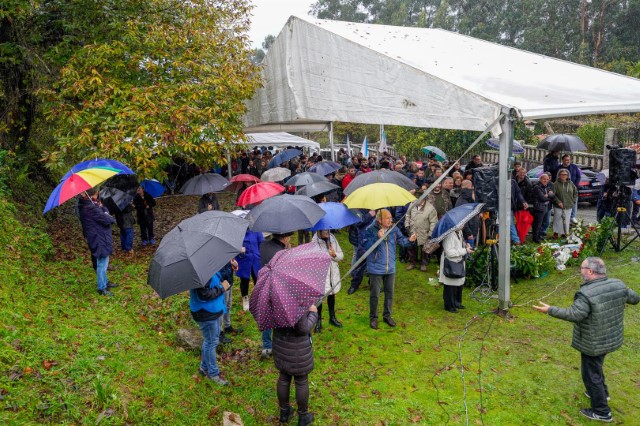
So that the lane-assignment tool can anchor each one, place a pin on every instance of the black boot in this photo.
(334, 321)
(318, 328)
(305, 419)
(285, 414)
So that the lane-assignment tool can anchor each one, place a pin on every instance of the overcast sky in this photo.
(269, 16)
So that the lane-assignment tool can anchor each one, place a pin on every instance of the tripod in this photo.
(489, 284)
(616, 239)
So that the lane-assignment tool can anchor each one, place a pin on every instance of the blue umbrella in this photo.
(153, 187)
(495, 144)
(337, 217)
(454, 219)
(325, 168)
(285, 155)
(436, 152)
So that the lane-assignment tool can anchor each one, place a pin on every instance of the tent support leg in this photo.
(333, 154)
(505, 215)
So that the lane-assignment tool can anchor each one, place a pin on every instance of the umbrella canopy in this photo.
(495, 144)
(283, 156)
(115, 199)
(317, 188)
(259, 192)
(524, 220)
(288, 285)
(377, 196)
(306, 178)
(337, 217)
(437, 153)
(237, 181)
(380, 176)
(84, 176)
(562, 142)
(153, 187)
(325, 168)
(276, 174)
(194, 250)
(285, 213)
(204, 184)
(454, 219)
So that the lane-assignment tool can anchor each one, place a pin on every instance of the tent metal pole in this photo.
(504, 214)
(333, 154)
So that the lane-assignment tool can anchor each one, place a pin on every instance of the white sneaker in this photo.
(265, 354)
(574, 220)
(245, 303)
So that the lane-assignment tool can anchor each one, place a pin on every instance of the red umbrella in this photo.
(259, 192)
(292, 281)
(524, 219)
(237, 181)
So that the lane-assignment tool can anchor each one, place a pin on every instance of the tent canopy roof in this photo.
(322, 71)
(280, 139)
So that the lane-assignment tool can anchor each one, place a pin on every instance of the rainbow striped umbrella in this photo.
(84, 176)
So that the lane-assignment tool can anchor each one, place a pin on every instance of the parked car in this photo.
(588, 188)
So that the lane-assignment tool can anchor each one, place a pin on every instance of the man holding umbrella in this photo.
(381, 264)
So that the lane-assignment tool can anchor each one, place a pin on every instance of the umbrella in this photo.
(237, 181)
(288, 285)
(285, 213)
(276, 174)
(259, 192)
(317, 188)
(153, 187)
(454, 219)
(378, 176)
(306, 178)
(378, 196)
(114, 199)
(325, 168)
(204, 184)
(81, 177)
(194, 250)
(524, 219)
(562, 142)
(283, 156)
(495, 144)
(337, 217)
(437, 153)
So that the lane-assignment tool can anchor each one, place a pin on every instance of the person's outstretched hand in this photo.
(543, 307)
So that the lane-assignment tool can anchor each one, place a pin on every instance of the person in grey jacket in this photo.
(598, 316)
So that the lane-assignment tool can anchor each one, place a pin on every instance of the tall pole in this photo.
(229, 169)
(504, 214)
(333, 154)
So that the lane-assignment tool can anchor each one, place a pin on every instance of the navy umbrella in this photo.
(283, 156)
(454, 220)
(325, 168)
(285, 213)
(562, 142)
(337, 217)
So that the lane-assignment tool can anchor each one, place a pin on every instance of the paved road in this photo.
(587, 212)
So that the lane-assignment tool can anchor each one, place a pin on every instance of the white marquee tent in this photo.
(319, 71)
(280, 139)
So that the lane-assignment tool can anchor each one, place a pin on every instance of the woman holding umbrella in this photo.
(327, 242)
(454, 249)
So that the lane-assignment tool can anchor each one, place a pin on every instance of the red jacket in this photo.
(346, 181)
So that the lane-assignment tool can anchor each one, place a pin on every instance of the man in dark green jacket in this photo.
(598, 316)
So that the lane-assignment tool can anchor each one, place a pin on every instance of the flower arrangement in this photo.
(593, 237)
(532, 261)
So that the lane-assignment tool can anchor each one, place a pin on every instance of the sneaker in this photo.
(152, 241)
(231, 330)
(410, 266)
(111, 285)
(352, 290)
(144, 243)
(245, 303)
(266, 354)
(423, 268)
(389, 321)
(588, 412)
(589, 396)
(105, 293)
(202, 372)
(574, 221)
(218, 380)
(224, 339)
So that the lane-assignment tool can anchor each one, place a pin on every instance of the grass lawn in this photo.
(69, 356)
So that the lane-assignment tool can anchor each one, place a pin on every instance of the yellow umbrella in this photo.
(377, 196)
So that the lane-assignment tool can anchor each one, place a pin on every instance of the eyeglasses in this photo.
(584, 267)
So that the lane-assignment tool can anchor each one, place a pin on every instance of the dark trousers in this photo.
(452, 296)
(358, 274)
(302, 391)
(244, 284)
(376, 282)
(536, 227)
(593, 378)
(146, 231)
(304, 237)
(415, 252)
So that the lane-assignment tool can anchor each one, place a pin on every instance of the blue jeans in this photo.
(102, 263)
(545, 222)
(515, 239)
(126, 238)
(574, 210)
(266, 339)
(211, 333)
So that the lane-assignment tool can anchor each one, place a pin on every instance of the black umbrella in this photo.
(317, 188)
(284, 213)
(306, 178)
(380, 176)
(204, 184)
(562, 142)
(117, 192)
(194, 250)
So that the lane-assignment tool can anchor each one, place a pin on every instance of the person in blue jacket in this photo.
(207, 305)
(381, 264)
(249, 263)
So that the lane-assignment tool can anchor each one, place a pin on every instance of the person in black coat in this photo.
(144, 204)
(293, 356)
(208, 202)
(96, 227)
(541, 197)
(471, 228)
(551, 164)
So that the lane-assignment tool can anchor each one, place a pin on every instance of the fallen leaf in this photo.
(27, 370)
(416, 419)
(213, 412)
(48, 364)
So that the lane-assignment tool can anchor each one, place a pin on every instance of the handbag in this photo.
(454, 269)
(430, 247)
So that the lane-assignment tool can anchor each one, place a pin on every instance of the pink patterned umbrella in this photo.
(292, 281)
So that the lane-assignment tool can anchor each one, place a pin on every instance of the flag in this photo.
(348, 147)
(365, 148)
(383, 143)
